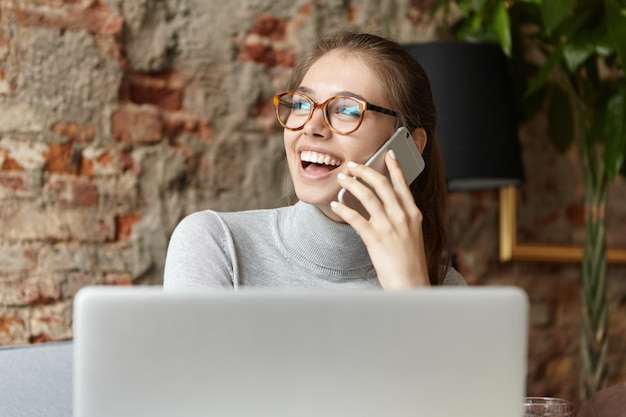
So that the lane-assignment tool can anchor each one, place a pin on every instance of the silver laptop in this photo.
(437, 352)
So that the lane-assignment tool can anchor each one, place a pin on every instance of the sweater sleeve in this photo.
(200, 254)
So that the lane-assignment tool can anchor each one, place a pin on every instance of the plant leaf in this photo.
(560, 119)
(554, 12)
(575, 55)
(623, 170)
(616, 22)
(615, 133)
(586, 25)
(502, 27)
(465, 6)
(541, 78)
(478, 5)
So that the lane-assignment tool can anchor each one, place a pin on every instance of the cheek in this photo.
(363, 151)
(289, 141)
(372, 138)
(290, 136)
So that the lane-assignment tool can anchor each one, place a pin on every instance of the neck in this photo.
(328, 212)
(314, 238)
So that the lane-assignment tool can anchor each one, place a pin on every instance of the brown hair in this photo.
(409, 91)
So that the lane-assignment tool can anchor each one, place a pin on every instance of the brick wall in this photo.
(119, 117)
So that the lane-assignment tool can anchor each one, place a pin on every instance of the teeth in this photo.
(318, 158)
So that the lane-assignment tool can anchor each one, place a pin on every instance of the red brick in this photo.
(164, 90)
(286, 58)
(263, 54)
(161, 96)
(74, 192)
(36, 290)
(73, 131)
(306, 10)
(51, 322)
(59, 158)
(13, 183)
(176, 123)
(269, 27)
(267, 54)
(85, 134)
(12, 330)
(118, 279)
(137, 124)
(352, 13)
(92, 165)
(96, 18)
(127, 163)
(40, 338)
(6, 323)
(86, 168)
(9, 164)
(106, 159)
(125, 225)
(100, 19)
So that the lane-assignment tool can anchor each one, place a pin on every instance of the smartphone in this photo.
(408, 155)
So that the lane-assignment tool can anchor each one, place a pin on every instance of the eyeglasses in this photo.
(343, 114)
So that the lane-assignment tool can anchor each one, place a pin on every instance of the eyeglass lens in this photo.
(342, 113)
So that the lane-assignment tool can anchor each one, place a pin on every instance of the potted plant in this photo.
(580, 82)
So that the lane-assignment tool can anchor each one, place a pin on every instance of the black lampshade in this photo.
(476, 119)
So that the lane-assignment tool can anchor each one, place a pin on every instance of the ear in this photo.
(420, 138)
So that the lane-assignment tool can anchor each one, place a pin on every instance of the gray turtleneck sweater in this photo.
(289, 247)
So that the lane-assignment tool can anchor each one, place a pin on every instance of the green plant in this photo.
(579, 81)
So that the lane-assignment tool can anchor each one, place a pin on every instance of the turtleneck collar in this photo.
(322, 244)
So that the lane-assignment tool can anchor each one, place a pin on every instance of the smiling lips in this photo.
(318, 160)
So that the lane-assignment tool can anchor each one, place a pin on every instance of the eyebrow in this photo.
(307, 90)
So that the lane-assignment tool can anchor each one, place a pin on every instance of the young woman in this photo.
(344, 100)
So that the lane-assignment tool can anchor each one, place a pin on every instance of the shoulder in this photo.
(224, 229)
(208, 220)
(204, 218)
(206, 246)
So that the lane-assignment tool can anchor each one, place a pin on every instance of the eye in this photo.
(349, 111)
(300, 105)
(346, 107)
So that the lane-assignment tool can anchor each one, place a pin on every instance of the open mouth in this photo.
(312, 160)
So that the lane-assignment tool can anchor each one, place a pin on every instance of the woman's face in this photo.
(335, 73)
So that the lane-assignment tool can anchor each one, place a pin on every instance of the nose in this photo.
(316, 126)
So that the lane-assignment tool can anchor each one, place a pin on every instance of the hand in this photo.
(393, 233)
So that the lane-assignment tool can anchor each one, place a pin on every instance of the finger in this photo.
(350, 216)
(394, 168)
(393, 204)
(399, 181)
(362, 192)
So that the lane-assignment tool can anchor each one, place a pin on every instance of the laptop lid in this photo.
(449, 352)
